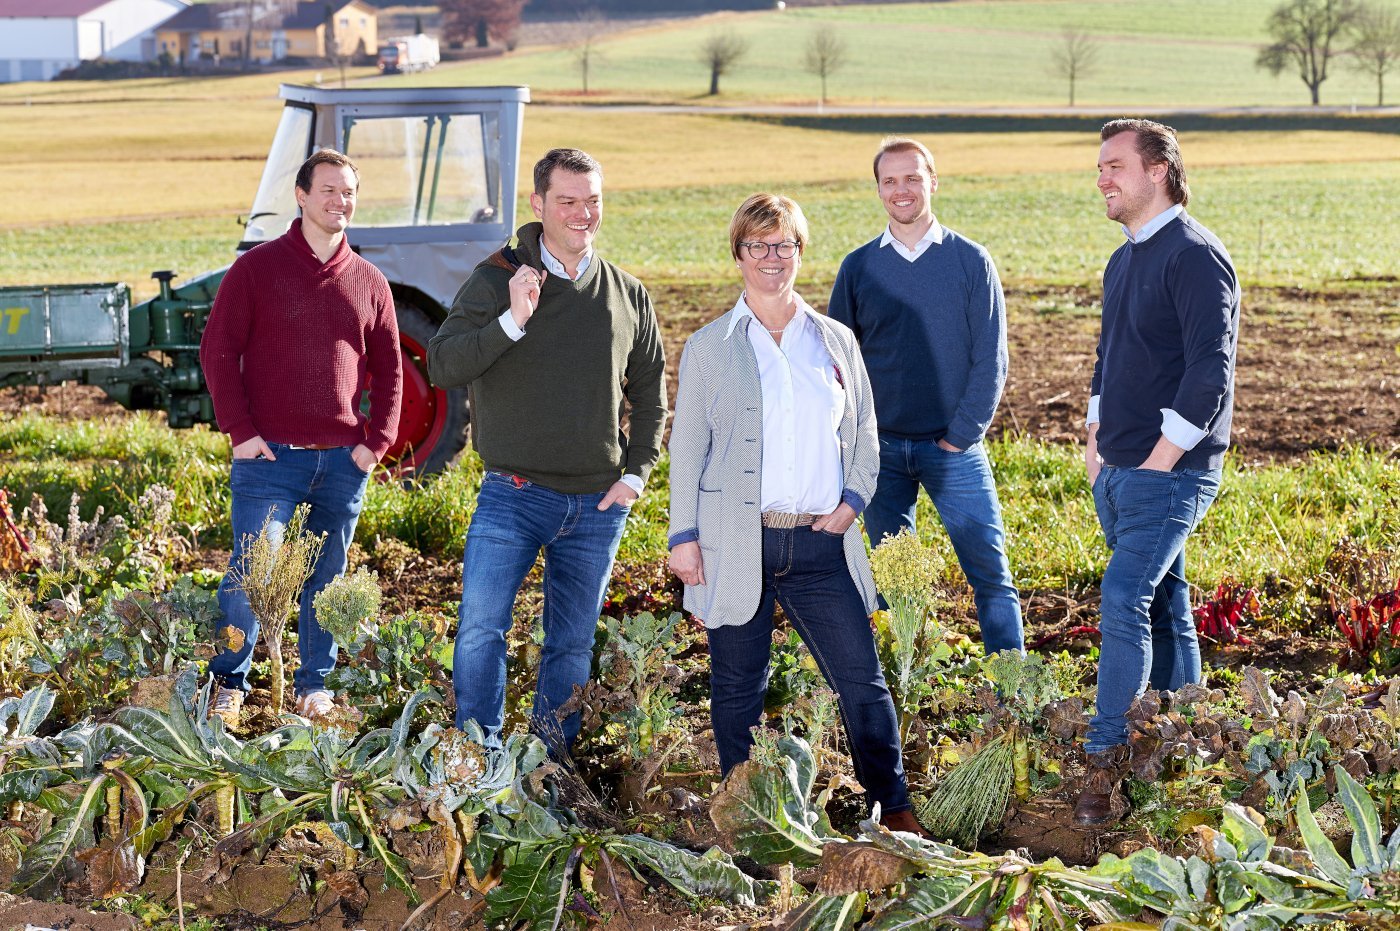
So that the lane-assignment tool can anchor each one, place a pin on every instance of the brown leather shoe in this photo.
(1095, 807)
(904, 821)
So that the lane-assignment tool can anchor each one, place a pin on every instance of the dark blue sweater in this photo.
(1171, 321)
(933, 334)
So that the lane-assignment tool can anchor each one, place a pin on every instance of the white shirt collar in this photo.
(933, 236)
(556, 267)
(742, 310)
(1155, 224)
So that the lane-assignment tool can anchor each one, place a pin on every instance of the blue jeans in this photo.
(961, 488)
(1149, 636)
(329, 481)
(805, 571)
(514, 520)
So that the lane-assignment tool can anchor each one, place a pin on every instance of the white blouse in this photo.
(803, 402)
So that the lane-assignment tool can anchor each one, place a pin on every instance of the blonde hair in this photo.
(763, 213)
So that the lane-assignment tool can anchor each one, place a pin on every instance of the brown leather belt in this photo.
(319, 447)
(781, 520)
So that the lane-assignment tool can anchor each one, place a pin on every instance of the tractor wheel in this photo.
(433, 421)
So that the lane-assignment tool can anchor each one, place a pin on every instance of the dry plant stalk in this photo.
(272, 572)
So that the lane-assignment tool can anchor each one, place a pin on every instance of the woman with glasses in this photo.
(773, 454)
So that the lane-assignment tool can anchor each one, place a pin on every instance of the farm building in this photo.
(40, 38)
(278, 29)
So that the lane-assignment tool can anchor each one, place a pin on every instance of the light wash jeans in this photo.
(514, 520)
(1149, 636)
(963, 491)
(329, 481)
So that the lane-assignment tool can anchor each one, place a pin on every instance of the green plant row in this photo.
(1270, 520)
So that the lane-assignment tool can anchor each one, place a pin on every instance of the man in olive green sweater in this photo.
(555, 342)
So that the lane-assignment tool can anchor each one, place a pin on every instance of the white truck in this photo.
(404, 54)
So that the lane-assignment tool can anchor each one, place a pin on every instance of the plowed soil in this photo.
(1317, 370)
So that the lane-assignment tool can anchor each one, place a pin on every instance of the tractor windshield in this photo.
(275, 205)
(433, 169)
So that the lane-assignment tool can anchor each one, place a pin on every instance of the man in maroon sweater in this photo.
(298, 325)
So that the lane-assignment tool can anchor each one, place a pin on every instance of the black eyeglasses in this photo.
(759, 250)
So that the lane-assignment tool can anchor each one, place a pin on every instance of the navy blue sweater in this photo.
(1171, 321)
(933, 334)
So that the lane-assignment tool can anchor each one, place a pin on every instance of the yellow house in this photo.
(279, 29)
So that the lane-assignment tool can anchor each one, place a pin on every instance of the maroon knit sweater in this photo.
(291, 340)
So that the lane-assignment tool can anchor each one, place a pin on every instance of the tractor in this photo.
(438, 170)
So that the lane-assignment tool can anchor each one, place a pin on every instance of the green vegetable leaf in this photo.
(768, 811)
(926, 899)
(712, 874)
(28, 712)
(1323, 852)
(532, 888)
(1367, 850)
(1250, 842)
(43, 864)
(828, 913)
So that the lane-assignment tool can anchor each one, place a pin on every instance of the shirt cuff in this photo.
(685, 536)
(633, 482)
(856, 502)
(508, 324)
(1093, 416)
(1181, 432)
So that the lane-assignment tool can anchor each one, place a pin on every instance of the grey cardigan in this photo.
(716, 456)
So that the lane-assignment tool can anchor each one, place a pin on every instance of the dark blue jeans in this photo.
(805, 571)
(512, 523)
(1149, 636)
(329, 481)
(963, 491)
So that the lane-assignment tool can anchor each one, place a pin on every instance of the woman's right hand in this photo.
(687, 564)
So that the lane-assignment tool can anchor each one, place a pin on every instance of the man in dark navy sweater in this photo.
(926, 306)
(1158, 426)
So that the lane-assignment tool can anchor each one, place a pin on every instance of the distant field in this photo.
(146, 199)
(111, 180)
(1178, 53)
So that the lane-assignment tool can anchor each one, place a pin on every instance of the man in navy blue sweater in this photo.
(927, 308)
(1159, 423)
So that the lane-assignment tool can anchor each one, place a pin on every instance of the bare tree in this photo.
(247, 33)
(720, 53)
(1306, 34)
(1075, 56)
(824, 55)
(584, 47)
(1375, 47)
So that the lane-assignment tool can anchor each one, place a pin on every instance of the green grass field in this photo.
(1285, 225)
(1173, 53)
(1268, 520)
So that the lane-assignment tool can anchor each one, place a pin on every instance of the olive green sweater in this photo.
(549, 406)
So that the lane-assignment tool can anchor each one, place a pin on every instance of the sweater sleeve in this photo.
(384, 361)
(842, 306)
(221, 353)
(987, 354)
(1203, 290)
(690, 447)
(865, 464)
(471, 339)
(645, 391)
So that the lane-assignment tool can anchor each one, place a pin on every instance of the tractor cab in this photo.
(437, 175)
(437, 195)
